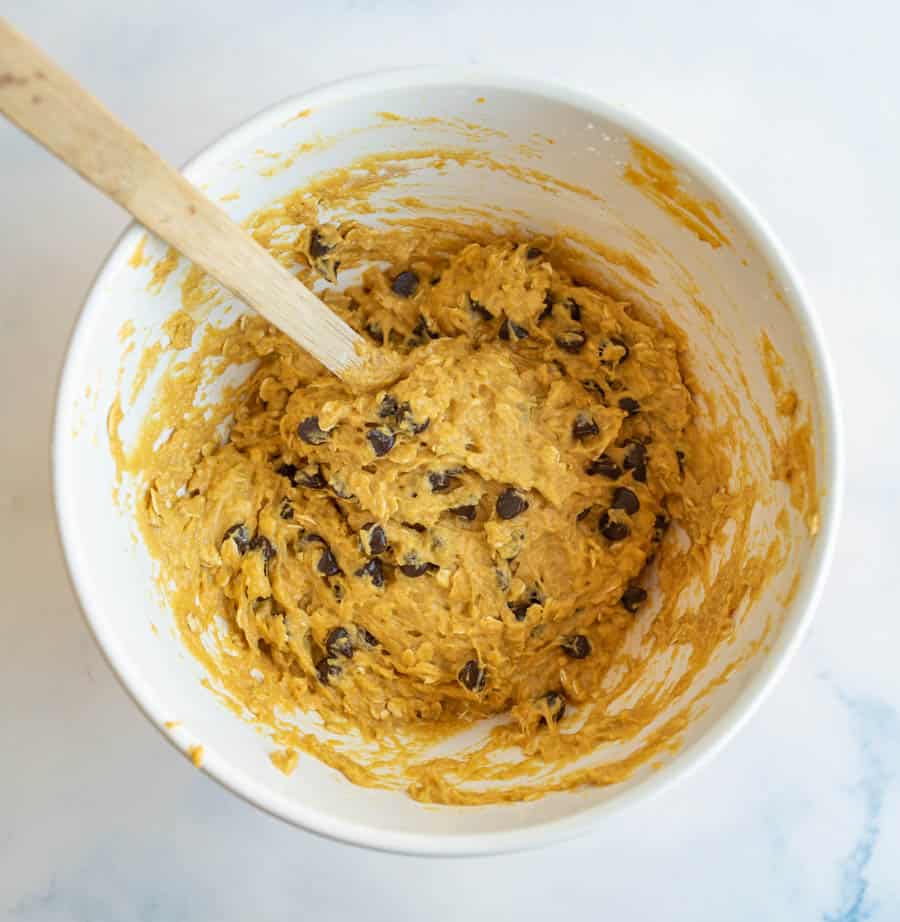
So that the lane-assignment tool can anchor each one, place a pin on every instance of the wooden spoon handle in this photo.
(62, 116)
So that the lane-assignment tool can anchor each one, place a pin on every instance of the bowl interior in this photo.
(699, 258)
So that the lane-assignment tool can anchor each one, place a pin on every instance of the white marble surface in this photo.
(800, 818)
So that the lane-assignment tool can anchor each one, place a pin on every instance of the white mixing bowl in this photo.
(747, 283)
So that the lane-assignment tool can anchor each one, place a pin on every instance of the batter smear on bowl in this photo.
(509, 528)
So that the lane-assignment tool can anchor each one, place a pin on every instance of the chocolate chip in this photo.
(576, 646)
(328, 565)
(374, 330)
(613, 351)
(635, 453)
(574, 309)
(312, 478)
(511, 503)
(415, 526)
(310, 432)
(604, 466)
(660, 525)
(593, 387)
(337, 590)
(509, 329)
(417, 336)
(636, 460)
(472, 676)
(465, 512)
(555, 703)
(381, 440)
(584, 427)
(442, 481)
(388, 406)
(477, 308)
(533, 253)
(633, 597)
(421, 331)
(287, 470)
(241, 537)
(287, 510)
(370, 640)
(338, 642)
(374, 570)
(613, 530)
(629, 405)
(406, 284)
(327, 670)
(406, 420)
(262, 543)
(571, 341)
(679, 457)
(547, 312)
(414, 567)
(373, 539)
(317, 246)
(626, 500)
(312, 538)
(548, 308)
(520, 607)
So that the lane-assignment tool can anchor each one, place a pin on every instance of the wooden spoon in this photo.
(61, 115)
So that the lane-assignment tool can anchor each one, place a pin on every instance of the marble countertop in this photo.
(800, 817)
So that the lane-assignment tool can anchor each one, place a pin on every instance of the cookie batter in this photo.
(509, 527)
(472, 538)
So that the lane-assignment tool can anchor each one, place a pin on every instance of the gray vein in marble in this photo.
(876, 726)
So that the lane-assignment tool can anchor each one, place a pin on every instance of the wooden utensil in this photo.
(61, 115)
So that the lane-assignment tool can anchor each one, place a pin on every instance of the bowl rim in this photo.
(748, 699)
